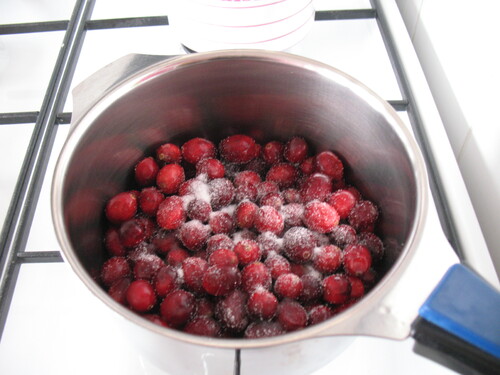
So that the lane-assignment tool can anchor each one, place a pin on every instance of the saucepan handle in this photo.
(459, 324)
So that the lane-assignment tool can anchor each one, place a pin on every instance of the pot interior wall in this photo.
(267, 99)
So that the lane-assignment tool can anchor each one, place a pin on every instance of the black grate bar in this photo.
(237, 362)
(399, 105)
(115, 23)
(40, 257)
(347, 14)
(33, 27)
(18, 118)
(23, 204)
(64, 118)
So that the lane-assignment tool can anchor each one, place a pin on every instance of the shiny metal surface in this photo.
(134, 107)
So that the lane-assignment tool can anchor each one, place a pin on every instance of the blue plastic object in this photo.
(466, 306)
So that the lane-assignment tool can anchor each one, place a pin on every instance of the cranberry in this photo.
(357, 259)
(318, 314)
(327, 259)
(149, 200)
(205, 307)
(320, 217)
(336, 289)
(156, 319)
(118, 290)
(246, 192)
(298, 243)
(221, 222)
(231, 311)
(255, 275)
(373, 243)
(307, 167)
(292, 214)
(288, 285)
(311, 287)
(246, 178)
(283, 174)
(220, 281)
(132, 233)
(238, 149)
(223, 258)
(203, 326)
(145, 172)
(357, 287)
(141, 296)
(329, 164)
(363, 215)
(193, 234)
(272, 199)
(262, 304)
(245, 214)
(171, 214)
(164, 241)
(292, 196)
(343, 201)
(169, 153)
(299, 269)
(165, 280)
(247, 251)
(266, 187)
(169, 178)
(213, 168)
(178, 307)
(268, 219)
(197, 149)
(221, 192)
(193, 270)
(260, 329)
(219, 241)
(175, 257)
(343, 235)
(291, 315)
(113, 243)
(296, 150)
(147, 266)
(269, 243)
(354, 192)
(199, 210)
(121, 207)
(278, 265)
(315, 187)
(272, 152)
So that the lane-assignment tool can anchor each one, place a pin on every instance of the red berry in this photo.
(203, 326)
(312, 289)
(260, 329)
(156, 319)
(223, 258)
(266, 187)
(113, 243)
(357, 287)
(269, 243)
(197, 149)
(141, 296)
(245, 214)
(246, 192)
(318, 314)
(357, 259)
(171, 214)
(169, 153)
(178, 307)
(149, 200)
(343, 201)
(199, 210)
(293, 214)
(320, 217)
(193, 270)
(336, 289)
(278, 265)
(220, 281)
(272, 152)
(118, 290)
(272, 199)
(292, 196)
(221, 192)
(343, 235)
(231, 311)
(121, 207)
(308, 167)
(213, 168)
(176, 256)
(373, 243)
(145, 172)
(219, 241)
(147, 266)
(284, 175)
(255, 275)
(246, 178)
(165, 242)
(329, 164)
(363, 215)
(327, 259)
(169, 178)
(114, 269)
(238, 148)
(315, 187)
(165, 280)
(268, 219)
(296, 150)
(298, 243)
(262, 304)
(132, 232)
(291, 315)
(288, 285)
(247, 251)
(193, 234)
(221, 222)
(205, 307)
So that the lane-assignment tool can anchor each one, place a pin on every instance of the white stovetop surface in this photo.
(55, 325)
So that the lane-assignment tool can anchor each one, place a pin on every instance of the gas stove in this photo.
(49, 322)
